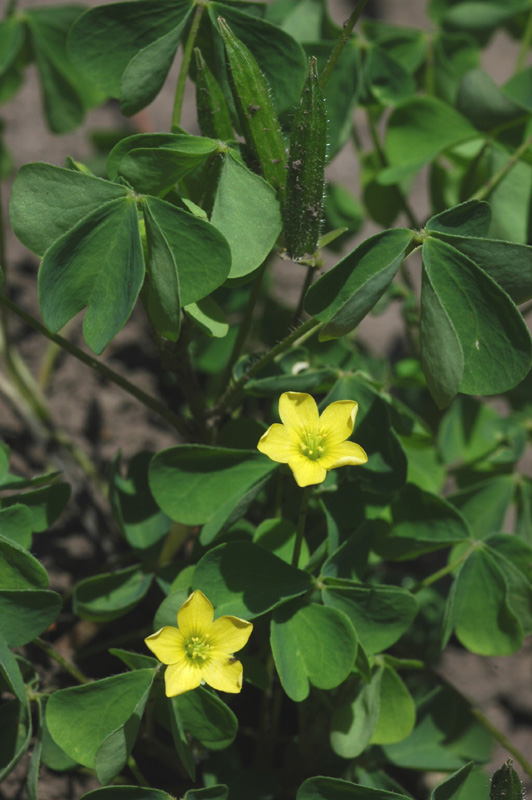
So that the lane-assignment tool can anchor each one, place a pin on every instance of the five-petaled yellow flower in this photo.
(311, 444)
(200, 648)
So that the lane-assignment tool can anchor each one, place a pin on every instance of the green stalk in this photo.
(185, 65)
(341, 42)
(231, 397)
(441, 573)
(52, 653)
(484, 192)
(245, 325)
(150, 402)
(525, 45)
(301, 520)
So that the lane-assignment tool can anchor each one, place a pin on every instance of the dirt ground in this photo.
(100, 419)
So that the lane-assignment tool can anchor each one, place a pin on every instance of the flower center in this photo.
(198, 649)
(312, 445)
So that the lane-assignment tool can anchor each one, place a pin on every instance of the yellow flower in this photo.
(200, 649)
(311, 444)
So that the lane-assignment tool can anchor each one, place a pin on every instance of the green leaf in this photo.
(507, 263)
(247, 212)
(421, 523)
(143, 523)
(181, 741)
(505, 784)
(459, 786)
(481, 344)
(354, 721)
(19, 569)
(202, 255)
(345, 294)
(24, 614)
(484, 504)
(243, 579)
(386, 78)
(66, 93)
(479, 608)
(48, 201)
(418, 131)
(206, 717)
(397, 710)
(98, 265)
(478, 16)
(15, 524)
(311, 644)
(125, 793)
(44, 505)
(484, 103)
(471, 218)
(191, 482)
(279, 537)
(446, 736)
(380, 615)
(510, 200)
(15, 717)
(110, 595)
(209, 317)
(105, 40)
(350, 560)
(153, 163)
(163, 303)
(336, 789)
(80, 709)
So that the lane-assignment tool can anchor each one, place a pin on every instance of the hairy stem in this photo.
(231, 397)
(341, 42)
(185, 64)
(485, 191)
(150, 402)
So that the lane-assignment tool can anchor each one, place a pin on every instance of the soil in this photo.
(99, 418)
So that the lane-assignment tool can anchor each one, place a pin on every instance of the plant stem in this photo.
(301, 520)
(185, 64)
(525, 44)
(441, 573)
(245, 325)
(150, 402)
(230, 398)
(50, 651)
(341, 42)
(133, 766)
(384, 163)
(490, 186)
(11, 6)
(309, 277)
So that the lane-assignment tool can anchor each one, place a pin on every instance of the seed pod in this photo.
(306, 170)
(255, 110)
(213, 115)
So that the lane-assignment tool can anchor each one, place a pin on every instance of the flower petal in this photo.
(229, 634)
(278, 443)
(195, 615)
(182, 677)
(298, 411)
(307, 472)
(167, 644)
(224, 674)
(337, 421)
(347, 453)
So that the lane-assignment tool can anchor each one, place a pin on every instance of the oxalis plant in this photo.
(283, 592)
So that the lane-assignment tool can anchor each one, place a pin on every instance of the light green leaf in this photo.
(209, 317)
(386, 78)
(279, 537)
(80, 709)
(191, 482)
(15, 524)
(243, 579)
(126, 793)
(98, 265)
(19, 569)
(346, 293)
(206, 717)
(379, 614)
(110, 595)
(311, 644)
(397, 710)
(337, 789)
(418, 131)
(44, 505)
(484, 504)
(353, 723)
(247, 212)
